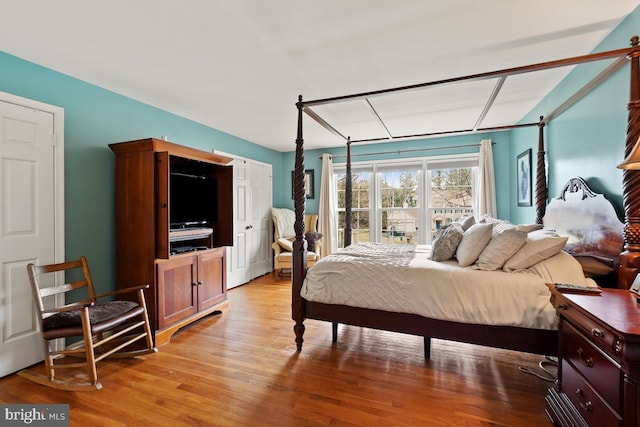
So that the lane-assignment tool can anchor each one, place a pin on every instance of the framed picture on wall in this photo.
(308, 183)
(523, 168)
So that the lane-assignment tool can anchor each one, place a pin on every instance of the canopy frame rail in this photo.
(622, 56)
(412, 150)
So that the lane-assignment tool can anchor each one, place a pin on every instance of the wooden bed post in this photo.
(348, 198)
(542, 191)
(630, 257)
(299, 253)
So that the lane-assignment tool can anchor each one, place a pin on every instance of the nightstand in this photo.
(598, 360)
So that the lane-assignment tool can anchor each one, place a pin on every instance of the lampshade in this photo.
(633, 159)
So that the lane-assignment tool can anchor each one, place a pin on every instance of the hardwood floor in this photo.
(241, 369)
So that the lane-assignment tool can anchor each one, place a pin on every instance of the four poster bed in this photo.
(447, 323)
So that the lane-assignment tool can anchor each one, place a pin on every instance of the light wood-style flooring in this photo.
(241, 369)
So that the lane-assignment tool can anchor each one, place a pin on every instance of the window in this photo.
(406, 202)
(360, 206)
(399, 206)
(451, 196)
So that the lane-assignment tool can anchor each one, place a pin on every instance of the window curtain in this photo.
(327, 223)
(486, 194)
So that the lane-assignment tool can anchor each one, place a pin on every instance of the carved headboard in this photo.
(590, 222)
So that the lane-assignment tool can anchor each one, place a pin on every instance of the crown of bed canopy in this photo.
(346, 116)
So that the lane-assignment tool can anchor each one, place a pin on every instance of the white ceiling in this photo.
(239, 65)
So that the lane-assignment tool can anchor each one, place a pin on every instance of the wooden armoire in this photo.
(173, 211)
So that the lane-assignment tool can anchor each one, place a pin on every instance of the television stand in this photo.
(181, 234)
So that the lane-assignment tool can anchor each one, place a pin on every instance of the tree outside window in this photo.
(360, 184)
(399, 203)
(451, 196)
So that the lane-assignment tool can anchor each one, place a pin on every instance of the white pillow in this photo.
(529, 227)
(285, 244)
(501, 247)
(486, 219)
(540, 245)
(499, 225)
(561, 268)
(502, 225)
(473, 242)
(467, 222)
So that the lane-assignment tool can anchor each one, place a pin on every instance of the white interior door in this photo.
(31, 224)
(251, 255)
(261, 223)
(238, 262)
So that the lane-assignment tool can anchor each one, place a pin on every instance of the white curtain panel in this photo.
(327, 221)
(487, 184)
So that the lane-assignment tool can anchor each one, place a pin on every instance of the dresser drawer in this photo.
(598, 333)
(598, 369)
(593, 409)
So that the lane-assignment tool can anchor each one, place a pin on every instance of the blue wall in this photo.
(94, 118)
(588, 139)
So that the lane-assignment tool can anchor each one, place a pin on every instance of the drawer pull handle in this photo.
(587, 406)
(588, 361)
(562, 306)
(597, 333)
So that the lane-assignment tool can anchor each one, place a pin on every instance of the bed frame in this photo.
(513, 338)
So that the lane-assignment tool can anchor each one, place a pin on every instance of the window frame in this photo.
(424, 166)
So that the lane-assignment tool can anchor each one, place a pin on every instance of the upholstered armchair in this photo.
(284, 235)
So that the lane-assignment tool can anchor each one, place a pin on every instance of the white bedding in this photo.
(401, 278)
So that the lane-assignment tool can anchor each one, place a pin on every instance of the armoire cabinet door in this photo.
(211, 270)
(162, 204)
(177, 290)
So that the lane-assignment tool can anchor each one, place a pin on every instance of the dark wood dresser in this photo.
(598, 360)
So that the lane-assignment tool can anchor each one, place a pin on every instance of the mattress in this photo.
(401, 278)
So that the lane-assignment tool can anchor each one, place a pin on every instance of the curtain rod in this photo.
(408, 151)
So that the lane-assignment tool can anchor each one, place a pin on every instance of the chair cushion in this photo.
(287, 256)
(285, 244)
(106, 313)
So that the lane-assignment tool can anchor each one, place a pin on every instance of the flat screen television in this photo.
(193, 194)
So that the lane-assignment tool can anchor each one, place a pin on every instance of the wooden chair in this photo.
(282, 246)
(108, 328)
